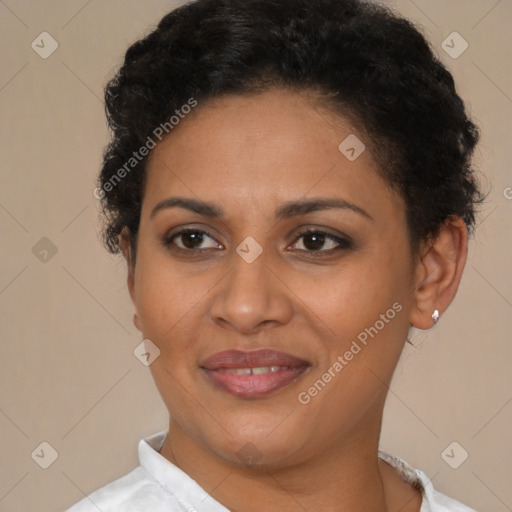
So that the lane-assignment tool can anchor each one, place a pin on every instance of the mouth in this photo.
(253, 374)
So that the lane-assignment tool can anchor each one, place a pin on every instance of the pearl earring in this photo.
(435, 316)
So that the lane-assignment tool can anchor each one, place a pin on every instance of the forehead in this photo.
(258, 150)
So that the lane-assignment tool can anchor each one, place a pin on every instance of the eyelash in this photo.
(345, 243)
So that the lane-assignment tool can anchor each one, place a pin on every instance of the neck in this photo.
(347, 476)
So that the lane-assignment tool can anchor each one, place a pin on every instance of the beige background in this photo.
(68, 375)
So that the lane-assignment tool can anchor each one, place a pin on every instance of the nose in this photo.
(252, 297)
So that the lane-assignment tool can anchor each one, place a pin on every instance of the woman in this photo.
(290, 183)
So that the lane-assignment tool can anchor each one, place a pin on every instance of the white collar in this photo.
(172, 479)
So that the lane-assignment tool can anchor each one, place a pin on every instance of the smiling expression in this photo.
(263, 174)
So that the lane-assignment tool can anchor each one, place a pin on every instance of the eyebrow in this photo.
(285, 211)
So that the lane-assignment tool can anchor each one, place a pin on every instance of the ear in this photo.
(126, 249)
(438, 272)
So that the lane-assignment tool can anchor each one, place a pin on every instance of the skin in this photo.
(249, 155)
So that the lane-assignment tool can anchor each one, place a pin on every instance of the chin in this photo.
(260, 442)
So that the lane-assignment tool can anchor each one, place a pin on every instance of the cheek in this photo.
(365, 312)
(165, 295)
(353, 298)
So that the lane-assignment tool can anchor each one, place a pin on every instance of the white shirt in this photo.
(157, 485)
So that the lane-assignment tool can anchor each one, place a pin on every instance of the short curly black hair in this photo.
(360, 58)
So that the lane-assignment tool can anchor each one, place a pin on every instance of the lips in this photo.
(252, 374)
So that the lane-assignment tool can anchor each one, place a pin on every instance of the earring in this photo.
(435, 316)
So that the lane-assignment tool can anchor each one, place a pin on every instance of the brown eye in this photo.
(190, 239)
(316, 241)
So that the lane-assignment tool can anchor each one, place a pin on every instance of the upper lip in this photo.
(251, 359)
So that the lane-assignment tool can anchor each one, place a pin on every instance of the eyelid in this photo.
(324, 231)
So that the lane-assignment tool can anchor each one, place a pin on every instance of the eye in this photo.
(314, 240)
(191, 239)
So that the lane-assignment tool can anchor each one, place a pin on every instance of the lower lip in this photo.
(253, 386)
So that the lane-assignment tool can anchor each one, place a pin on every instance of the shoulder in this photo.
(433, 500)
(136, 491)
(439, 502)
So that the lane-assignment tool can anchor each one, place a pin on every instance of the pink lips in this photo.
(252, 374)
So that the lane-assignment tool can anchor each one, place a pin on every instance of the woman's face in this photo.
(333, 312)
